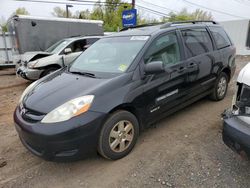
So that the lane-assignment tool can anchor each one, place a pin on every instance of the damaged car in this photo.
(37, 64)
(236, 120)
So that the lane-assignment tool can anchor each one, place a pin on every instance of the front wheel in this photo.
(220, 87)
(118, 135)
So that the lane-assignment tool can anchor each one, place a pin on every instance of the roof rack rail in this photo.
(195, 21)
(168, 24)
(142, 25)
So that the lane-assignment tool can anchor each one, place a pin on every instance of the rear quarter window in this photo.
(221, 38)
(197, 41)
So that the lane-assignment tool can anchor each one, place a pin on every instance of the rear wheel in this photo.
(48, 71)
(118, 135)
(220, 88)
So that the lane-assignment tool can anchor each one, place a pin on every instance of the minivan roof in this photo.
(152, 29)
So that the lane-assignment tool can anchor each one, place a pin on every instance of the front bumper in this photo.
(29, 74)
(236, 135)
(64, 141)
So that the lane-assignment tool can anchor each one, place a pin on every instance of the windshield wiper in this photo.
(84, 73)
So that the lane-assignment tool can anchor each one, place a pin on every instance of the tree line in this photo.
(110, 13)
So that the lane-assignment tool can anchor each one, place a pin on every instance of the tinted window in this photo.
(220, 37)
(197, 41)
(165, 49)
(77, 46)
(57, 46)
(92, 40)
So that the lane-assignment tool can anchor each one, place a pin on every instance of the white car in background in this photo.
(34, 65)
(236, 120)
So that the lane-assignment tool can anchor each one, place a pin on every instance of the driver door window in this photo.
(165, 49)
(77, 46)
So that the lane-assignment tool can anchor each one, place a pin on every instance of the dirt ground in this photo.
(183, 150)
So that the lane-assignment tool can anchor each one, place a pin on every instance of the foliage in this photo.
(21, 11)
(184, 15)
(4, 27)
(199, 14)
(111, 14)
(59, 12)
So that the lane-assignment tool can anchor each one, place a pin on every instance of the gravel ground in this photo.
(183, 150)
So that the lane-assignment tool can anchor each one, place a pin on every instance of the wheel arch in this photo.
(45, 68)
(227, 71)
(130, 108)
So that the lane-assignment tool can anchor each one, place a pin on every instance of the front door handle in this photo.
(192, 65)
(181, 69)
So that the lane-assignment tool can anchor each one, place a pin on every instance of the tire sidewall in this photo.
(104, 147)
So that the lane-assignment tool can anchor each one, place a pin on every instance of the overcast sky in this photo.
(220, 9)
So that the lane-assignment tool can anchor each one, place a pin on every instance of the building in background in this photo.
(239, 32)
(5, 48)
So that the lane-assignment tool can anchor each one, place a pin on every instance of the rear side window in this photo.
(220, 37)
(197, 41)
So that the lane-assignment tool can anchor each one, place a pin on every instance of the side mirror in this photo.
(67, 51)
(154, 67)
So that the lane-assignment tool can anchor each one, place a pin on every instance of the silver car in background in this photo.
(34, 65)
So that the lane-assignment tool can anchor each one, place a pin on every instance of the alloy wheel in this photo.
(222, 86)
(121, 136)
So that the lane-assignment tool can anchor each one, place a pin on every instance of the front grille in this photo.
(30, 115)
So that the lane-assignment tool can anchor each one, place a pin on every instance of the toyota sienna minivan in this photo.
(120, 85)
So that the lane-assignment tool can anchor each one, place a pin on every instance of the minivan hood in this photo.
(58, 88)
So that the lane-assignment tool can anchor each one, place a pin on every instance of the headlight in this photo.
(69, 109)
(30, 87)
(32, 64)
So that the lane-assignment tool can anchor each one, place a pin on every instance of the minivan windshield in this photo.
(55, 48)
(109, 55)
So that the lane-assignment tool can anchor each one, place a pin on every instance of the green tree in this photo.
(3, 24)
(199, 14)
(4, 27)
(60, 12)
(110, 13)
(21, 11)
(184, 15)
(85, 14)
(98, 12)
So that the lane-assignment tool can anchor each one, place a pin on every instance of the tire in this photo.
(220, 87)
(48, 71)
(114, 141)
